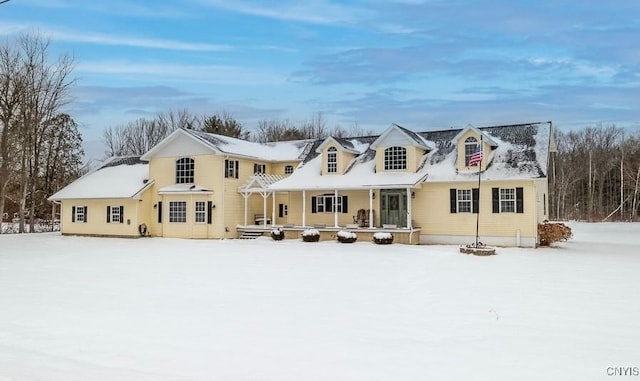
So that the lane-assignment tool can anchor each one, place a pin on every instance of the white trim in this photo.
(329, 140)
(486, 137)
(158, 147)
(394, 127)
(505, 241)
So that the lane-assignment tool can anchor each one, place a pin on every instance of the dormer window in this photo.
(395, 158)
(332, 160)
(184, 170)
(470, 148)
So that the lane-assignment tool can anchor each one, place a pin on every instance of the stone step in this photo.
(250, 234)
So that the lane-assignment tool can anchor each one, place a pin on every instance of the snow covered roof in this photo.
(411, 136)
(227, 145)
(521, 152)
(345, 144)
(486, 137)
(119, 177)
(518, 152)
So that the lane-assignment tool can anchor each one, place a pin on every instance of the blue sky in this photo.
(424, 64)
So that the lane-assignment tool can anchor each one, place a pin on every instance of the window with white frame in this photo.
(328, 204)
(288, 169)
(395, 158)
(464, 201)
(177, 211)
(79, 214)
(231, 169)
(115, 214)
(470, 147)
(200, 211)
(332, 160)
(259, 168)
(507, 200)
(184, 170)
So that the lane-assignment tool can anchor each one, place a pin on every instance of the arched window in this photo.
(395, 158)
(470, 147)
(184, 170)
(332, 160)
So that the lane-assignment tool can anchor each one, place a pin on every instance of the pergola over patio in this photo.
(259, 184)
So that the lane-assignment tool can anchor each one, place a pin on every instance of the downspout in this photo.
(223, 226)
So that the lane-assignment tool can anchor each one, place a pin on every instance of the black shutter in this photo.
(519, 200)
(280, 210)
(345, 204)
(475, 200)
(73, 214)
(236, 168)
(86, 219)
(159, 211)
(314, 207)
(121, 214)
(453, 200)
(108, 214)
(209, 208)
(226, 168)
(495, 199)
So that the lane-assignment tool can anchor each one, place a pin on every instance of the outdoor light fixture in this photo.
(155, 206)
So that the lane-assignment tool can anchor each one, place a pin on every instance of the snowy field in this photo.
(75, 308)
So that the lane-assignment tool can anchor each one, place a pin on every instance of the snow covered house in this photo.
(422, 187)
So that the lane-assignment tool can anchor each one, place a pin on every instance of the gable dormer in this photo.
(399, 150)
(473, 144)
(336, 155)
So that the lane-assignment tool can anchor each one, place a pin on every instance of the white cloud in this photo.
(109, 39)
(313, 11)
(157, 72)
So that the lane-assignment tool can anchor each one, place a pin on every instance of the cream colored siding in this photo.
(414, 157)
(432, 211)
(96, 223)
(356, 200)
(343, 159)
(486, 151)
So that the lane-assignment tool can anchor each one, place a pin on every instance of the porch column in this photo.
(264, 208)
(335, 208)
(273, 208)
(304, 208)
(370, 208)
(409, 208)
(246, 199)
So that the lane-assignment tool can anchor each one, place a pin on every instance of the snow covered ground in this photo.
(75, 308)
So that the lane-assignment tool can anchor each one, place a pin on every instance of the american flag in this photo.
(476, 157)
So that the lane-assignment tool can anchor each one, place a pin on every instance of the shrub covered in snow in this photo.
(346, 236)
(277, 234)
(310, 235)
(382, 238)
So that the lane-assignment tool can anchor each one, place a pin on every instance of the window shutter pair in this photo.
(329, 205)
(73, 214)
(159, 212)
(495, 195)
(209, 207)
(109, 214)
(280, 210)
(475, 200)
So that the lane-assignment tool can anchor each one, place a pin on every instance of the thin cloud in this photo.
(110, 39)
(313, 12)
(172, 72)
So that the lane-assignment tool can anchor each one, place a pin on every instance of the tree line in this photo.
(140, 135)
(40, 146)
(595, 175)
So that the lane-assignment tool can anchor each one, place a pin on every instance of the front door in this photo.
(393, 207)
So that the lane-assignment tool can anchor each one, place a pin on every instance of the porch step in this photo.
(250, 234)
